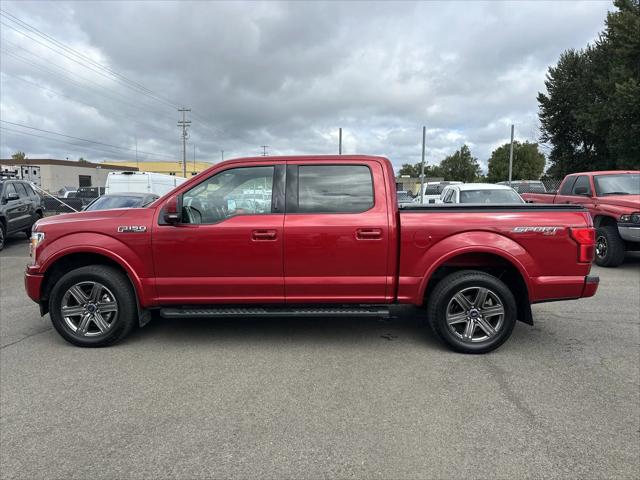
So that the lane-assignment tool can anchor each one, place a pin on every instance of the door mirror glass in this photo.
(581, 191)
(173, 210)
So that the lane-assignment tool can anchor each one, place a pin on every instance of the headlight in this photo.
(630, 218)
(36, 239)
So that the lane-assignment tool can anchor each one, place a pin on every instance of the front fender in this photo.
(114, 249)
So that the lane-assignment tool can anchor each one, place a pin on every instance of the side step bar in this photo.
(276, 311)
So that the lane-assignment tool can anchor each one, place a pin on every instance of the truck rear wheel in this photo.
(609, 246)
(472, 311)
(93, 306)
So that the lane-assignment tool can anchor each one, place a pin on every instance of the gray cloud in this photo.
(288, 74)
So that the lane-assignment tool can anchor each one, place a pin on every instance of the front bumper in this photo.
(33, 284)
(629, 233)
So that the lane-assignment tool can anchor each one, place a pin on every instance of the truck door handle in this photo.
(368, 234)
(263, 235)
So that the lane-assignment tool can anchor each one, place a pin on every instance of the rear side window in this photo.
(582, 183)
(448, 198)
(567, 186)
(334, 189)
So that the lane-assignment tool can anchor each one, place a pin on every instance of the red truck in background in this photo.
(613, 199)
(307, 236)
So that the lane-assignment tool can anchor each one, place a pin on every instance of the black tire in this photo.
(442, 299)
(117, 284)
(610, 247)
(2, 236)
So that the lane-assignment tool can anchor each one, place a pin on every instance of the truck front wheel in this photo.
(609, 246)
(472, 311)
(93, 306)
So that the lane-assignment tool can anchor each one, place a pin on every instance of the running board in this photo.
(298, 311)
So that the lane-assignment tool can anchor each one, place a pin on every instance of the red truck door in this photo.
(576, 190)
(336, 232)
(228, 247)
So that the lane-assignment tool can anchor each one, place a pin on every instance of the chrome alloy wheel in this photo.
(601, 246)
(475, 314)
(89, 309)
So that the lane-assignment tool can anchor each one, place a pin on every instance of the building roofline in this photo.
(70, 163)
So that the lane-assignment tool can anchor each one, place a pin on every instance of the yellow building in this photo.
(168, 168)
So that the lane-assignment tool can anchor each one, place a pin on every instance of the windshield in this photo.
(490, 196)
(107, 202)
(619, 184)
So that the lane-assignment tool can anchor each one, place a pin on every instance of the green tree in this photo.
(82, 160)
(19, 156)
(591, 110)
(414, 170)
(460, 166)
(528, 162)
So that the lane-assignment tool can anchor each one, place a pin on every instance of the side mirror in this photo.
(173, 210)
(581, 191)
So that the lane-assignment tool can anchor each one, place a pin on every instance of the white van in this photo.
(141, 182)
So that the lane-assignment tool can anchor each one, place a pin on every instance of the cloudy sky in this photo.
(286, 75)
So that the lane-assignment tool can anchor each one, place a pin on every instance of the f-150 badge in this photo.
(542, 230)
(132, 229)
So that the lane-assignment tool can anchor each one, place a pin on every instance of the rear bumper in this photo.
(549, 289)
(590, 288)
(630, 234)
(33, 284)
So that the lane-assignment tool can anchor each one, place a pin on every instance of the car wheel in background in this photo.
(93, 306)
(2, 235)
(610, 247)
(472, 311)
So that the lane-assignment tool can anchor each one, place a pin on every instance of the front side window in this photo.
(22, 191)
(237, 191)
(448, 198)
(334, 189)
(9, 189)
(618, 184)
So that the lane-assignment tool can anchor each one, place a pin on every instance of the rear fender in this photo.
(475, 242)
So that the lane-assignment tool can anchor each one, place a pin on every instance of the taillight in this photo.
(585, 237)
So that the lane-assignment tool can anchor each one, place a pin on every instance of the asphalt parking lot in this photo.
(324, 398)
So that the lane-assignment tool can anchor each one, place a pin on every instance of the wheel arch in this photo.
(67, 261)
(494, 262)
(604, 220)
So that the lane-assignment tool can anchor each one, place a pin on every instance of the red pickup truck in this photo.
(307, 236)
(613, 199)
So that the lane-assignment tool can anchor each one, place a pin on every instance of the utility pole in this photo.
(222, 155)
(264, 150)
(340, 141)
(137, 165)
(511, 156)
(424, 141)
(194, 157)
(184, 123)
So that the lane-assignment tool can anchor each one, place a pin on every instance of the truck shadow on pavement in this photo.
(405, 325)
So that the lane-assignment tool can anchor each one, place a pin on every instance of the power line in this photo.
(84, 60)
(122, 99)
(81, 139)
(83, 147)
